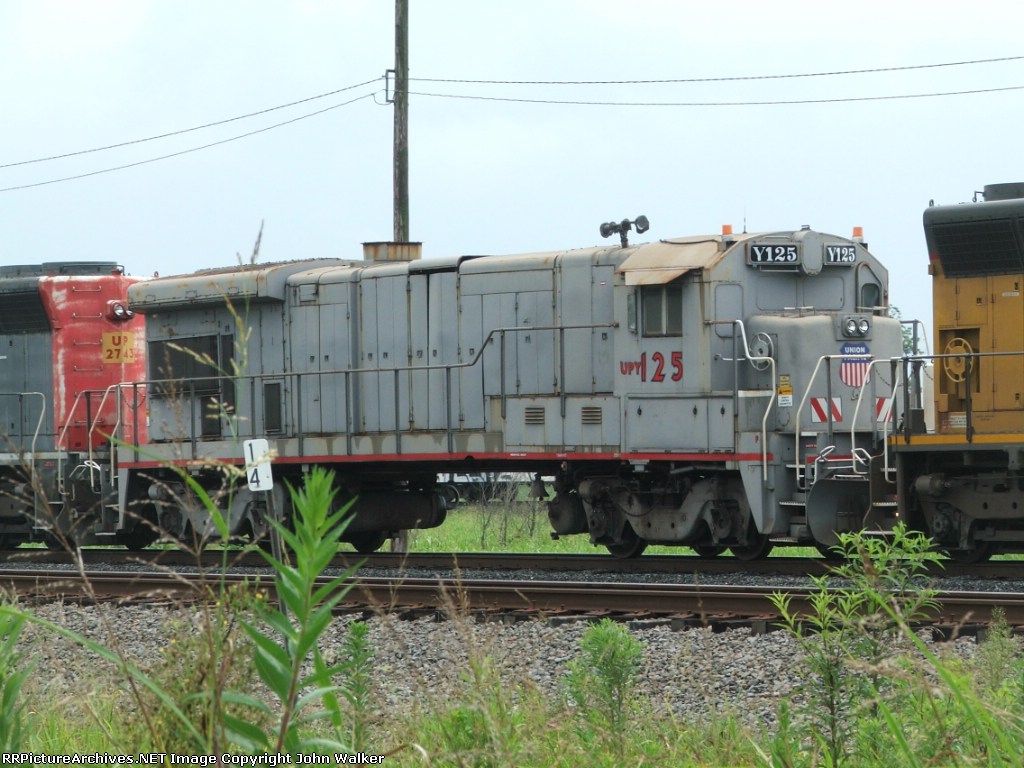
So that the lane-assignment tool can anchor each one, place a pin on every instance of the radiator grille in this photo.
(969, 248)
(534, 414)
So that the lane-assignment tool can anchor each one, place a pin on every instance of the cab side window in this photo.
(662, 309)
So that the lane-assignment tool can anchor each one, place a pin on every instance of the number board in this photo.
(840, 254)
(779, 254)
(118, 348)
(257, 464)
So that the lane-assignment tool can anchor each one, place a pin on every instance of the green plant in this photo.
(602, 682)
(195, 669)
(996, 668)
(356, 685)
(307, 716)
(846, 634)
(485, 728)
(13, 672)
(305, 699)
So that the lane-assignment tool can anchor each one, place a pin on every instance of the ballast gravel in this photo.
(418, 663)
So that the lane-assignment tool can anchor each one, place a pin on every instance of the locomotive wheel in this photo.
(367, 543)
(707, 551)
(140, 538)
(976, 554)
(760, 547)
(59, 543)
(630, 546)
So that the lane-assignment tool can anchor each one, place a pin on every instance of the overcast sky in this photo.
(487, 175)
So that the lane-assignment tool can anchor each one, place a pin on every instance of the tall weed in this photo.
(305, 715)
(13, 672)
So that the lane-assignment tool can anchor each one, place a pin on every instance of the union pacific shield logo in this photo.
(854, 371)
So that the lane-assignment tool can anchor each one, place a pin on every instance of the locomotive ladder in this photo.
(91, 464)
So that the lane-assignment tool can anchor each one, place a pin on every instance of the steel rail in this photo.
(381, 594)
(681, 564)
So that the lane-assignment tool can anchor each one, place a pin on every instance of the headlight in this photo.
(856, 327)
(118, 310)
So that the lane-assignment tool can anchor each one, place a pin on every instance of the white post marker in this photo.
(257, 464)
(261, 479)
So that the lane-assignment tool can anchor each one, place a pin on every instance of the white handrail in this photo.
(771, 401)
(803, 402)
(891, 401)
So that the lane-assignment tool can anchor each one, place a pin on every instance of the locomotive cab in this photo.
(749, 376)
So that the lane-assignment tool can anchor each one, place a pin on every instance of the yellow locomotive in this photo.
(963, 483)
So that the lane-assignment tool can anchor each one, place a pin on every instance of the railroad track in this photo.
(656, 564)
(681, 604)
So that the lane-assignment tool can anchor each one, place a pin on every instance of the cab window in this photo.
(662, 309)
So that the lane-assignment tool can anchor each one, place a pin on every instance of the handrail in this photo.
(970, 372)
(858, 457)
(167, 384)
(399, 368)
(803, 401)
(82, 396)
(39, 424)
(771, 400)
(92, 424)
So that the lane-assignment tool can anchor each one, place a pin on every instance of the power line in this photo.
(517, 100)
(190, 130)
(257, 113)
(188, 151)
(516, 82)
(718, 103)
(720, 79)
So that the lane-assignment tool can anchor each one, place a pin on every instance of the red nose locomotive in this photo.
(67, 338)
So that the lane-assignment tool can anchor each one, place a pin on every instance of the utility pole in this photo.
(400, 539)
(401, 150)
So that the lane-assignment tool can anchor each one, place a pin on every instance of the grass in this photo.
(897, 703)
(523, 527)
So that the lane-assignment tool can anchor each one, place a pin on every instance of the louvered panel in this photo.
(533, 415)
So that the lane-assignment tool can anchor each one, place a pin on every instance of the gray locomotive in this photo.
(715, 392)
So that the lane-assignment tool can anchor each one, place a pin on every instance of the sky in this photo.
(517, 168)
